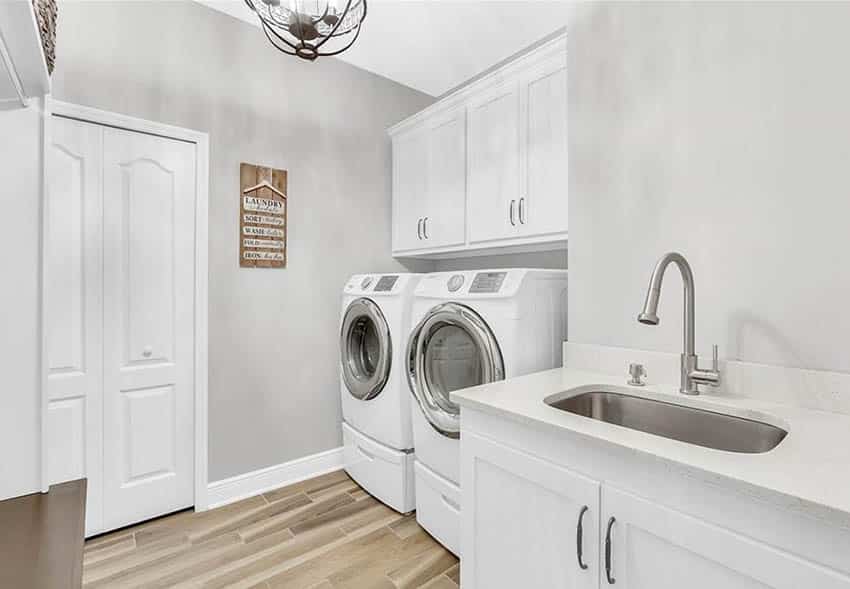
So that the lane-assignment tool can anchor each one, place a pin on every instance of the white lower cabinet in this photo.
(652, 547)
(531, 519)
(526, 522)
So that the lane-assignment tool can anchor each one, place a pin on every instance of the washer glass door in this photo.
(365, 349)
(452, 348)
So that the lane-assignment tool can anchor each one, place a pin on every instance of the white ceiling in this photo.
(437, 45)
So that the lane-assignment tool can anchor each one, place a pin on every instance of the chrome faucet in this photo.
(691, 374)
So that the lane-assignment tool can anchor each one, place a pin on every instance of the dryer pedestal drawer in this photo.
(384, 472)
(438, 507)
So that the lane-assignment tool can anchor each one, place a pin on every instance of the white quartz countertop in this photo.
(811, 465)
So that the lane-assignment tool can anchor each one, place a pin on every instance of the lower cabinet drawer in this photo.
(384, 472)
(438, 507)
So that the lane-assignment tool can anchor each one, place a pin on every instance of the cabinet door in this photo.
(653, 547)
(410, 188)
(444, 222)
(521, 519)
(148, 313)
(542, 209)
(494, 165)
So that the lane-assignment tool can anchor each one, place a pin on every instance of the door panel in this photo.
(148, 330)
(493, 164)
(658, 548)
(544, 209)
(73, 327)
(149, 256)
(520, 520)
(446, 203)
(410, 172)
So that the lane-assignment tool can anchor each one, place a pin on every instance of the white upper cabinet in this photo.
(23, 71)
(496, 172)
(410, 187)
(494, 164)
(444, 207)
(542, 206)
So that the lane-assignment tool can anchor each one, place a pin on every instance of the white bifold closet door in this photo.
(121, 320)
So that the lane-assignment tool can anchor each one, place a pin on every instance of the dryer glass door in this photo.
(365, 349)
(451, 349)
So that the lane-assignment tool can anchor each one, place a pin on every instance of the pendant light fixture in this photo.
(310, 28)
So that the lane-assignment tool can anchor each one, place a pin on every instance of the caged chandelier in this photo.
(310, 28)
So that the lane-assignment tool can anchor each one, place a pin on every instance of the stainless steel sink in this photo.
(677, 422)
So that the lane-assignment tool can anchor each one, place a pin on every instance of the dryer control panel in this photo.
(487, 282)
(386, 283)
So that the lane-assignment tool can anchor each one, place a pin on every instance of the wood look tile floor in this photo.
(324, 533)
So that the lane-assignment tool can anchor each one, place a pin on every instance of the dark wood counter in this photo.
(41, 538)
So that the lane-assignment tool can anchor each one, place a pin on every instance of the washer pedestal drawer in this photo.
(384, 472)
(438, 507)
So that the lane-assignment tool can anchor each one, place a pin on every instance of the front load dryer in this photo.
(377, 434)
(472, 328)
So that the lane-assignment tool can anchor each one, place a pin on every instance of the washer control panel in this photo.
(455, 282)
(487, 282)
(366, 282)
(386, 283)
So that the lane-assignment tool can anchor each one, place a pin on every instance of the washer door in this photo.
(452, 348)
(365, 349)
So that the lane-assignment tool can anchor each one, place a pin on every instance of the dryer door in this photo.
(365, 349)
(452, 348)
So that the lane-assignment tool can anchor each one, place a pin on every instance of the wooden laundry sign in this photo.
(262, 217)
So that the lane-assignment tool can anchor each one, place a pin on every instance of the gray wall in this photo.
(274, 388)
(721, 130)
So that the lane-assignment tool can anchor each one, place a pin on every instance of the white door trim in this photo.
(201, 331)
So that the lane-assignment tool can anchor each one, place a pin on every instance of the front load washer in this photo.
(376, 429)
(472, 328)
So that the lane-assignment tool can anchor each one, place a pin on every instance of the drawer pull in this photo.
(450, 504)
(579, 538)
(369, 456)
(611, 580)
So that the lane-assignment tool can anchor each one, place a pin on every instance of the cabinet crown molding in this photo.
(459, 97)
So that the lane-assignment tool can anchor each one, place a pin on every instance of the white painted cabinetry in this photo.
(648, 524)
(494, 177)
(532, 524)
(653, 547)
(494, 160)
(429, 184)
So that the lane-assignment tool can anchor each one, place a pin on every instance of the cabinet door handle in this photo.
(511, 213)
(522, 210)
(419, 228)
(425, 227)
(611, 580)
(579, 538)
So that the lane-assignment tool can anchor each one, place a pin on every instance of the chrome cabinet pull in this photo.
(425, 227)
(522, 210)
(419, 229)
(579, 538)
(511, 213)
(611, 580)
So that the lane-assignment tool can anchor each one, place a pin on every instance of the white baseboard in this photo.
(273, 477)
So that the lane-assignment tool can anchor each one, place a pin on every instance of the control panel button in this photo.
(366, 282)
(455, 282)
